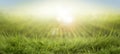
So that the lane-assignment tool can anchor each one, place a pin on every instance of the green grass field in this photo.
(88, 35)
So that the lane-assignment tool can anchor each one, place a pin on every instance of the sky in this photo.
(8, 5)
(13, 3)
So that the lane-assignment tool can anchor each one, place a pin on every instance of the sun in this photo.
(64, 15)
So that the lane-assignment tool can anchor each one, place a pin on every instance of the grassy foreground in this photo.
(100, 35)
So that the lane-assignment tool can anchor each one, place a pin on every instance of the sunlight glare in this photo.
(63, 12)
(64, 15)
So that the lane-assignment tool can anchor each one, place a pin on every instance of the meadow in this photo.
(87, 35)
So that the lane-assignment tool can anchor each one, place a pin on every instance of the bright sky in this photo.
(13, 3)
(52, 7)
(63, 10)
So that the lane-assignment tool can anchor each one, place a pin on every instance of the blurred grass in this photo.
(89, 35)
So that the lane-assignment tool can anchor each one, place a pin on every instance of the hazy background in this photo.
(8, 4)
